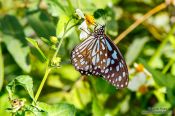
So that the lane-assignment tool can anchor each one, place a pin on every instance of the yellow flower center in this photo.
(89, 19)
(143, 89)
(140, 68)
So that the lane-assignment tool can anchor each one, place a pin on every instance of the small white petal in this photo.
(137, 81)
(83, 26)
(84, 30)
(79, 13)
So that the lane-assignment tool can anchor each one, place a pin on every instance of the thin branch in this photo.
(139, 21)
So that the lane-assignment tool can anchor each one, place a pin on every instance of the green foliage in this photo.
(40, 54)
(132, 52)
(1, 69)
(23, 80)
(18, 51)
(61, 109)
(36, 40)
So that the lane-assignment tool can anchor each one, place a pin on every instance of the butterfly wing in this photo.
(86, 57)
(99, 56)
(116, 71)
(80, 56)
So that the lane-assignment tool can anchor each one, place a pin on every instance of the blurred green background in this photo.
(149, 51)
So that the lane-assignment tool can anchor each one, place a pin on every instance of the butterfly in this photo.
(98, 55)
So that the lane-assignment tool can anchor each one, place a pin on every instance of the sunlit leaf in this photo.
(56, 8)
(23, 80)
(4, 103)
(68, 72)
(162, 105)
(157, 63)
(61, 109)
(173, 69)
(134, 49)
(63, 19)
(40, 53)
(18, 51)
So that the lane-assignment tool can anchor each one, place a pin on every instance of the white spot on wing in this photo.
(119, 78)
(106, 71)
(124, 74)
(117, 68)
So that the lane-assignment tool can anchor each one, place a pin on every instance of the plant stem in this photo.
(59, 45)
(48, 69)
(139, 21)
(42, 83)
(168, 66)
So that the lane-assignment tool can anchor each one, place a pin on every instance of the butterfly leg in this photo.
(89, 33)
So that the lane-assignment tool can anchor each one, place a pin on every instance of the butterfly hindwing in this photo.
(116, 71)
(80, 56)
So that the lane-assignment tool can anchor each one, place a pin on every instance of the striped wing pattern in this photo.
(101, 57)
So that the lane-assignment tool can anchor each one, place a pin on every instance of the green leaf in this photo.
(134, 49)
(1, 69)
(40, 54)
(43, 27)
(99, 13)
(171, 96)
(78, 93)
(61, 109)
(97, 109)
(46, 41)
(99, 82)
(68, 72)
(112, 27)
(10, 25)
(55, 8)
(23, 80)
(157, 62)
(165, 104)
(173, 69)
(63, 19)
(4, 103)
(18, 51)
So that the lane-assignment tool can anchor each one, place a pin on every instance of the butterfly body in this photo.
(99, 56)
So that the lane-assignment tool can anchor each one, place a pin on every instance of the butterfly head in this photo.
(99, 30)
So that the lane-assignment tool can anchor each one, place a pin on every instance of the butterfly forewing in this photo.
(98, 55)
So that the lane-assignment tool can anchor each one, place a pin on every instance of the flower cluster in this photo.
(141, 80)
(83, 27)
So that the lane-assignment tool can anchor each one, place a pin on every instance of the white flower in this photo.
(80, 13)
(83, 26)
(84, 30)
(137, 81)
(88, 20)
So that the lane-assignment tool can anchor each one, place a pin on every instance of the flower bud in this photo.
(54, 39)
(55, 62)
